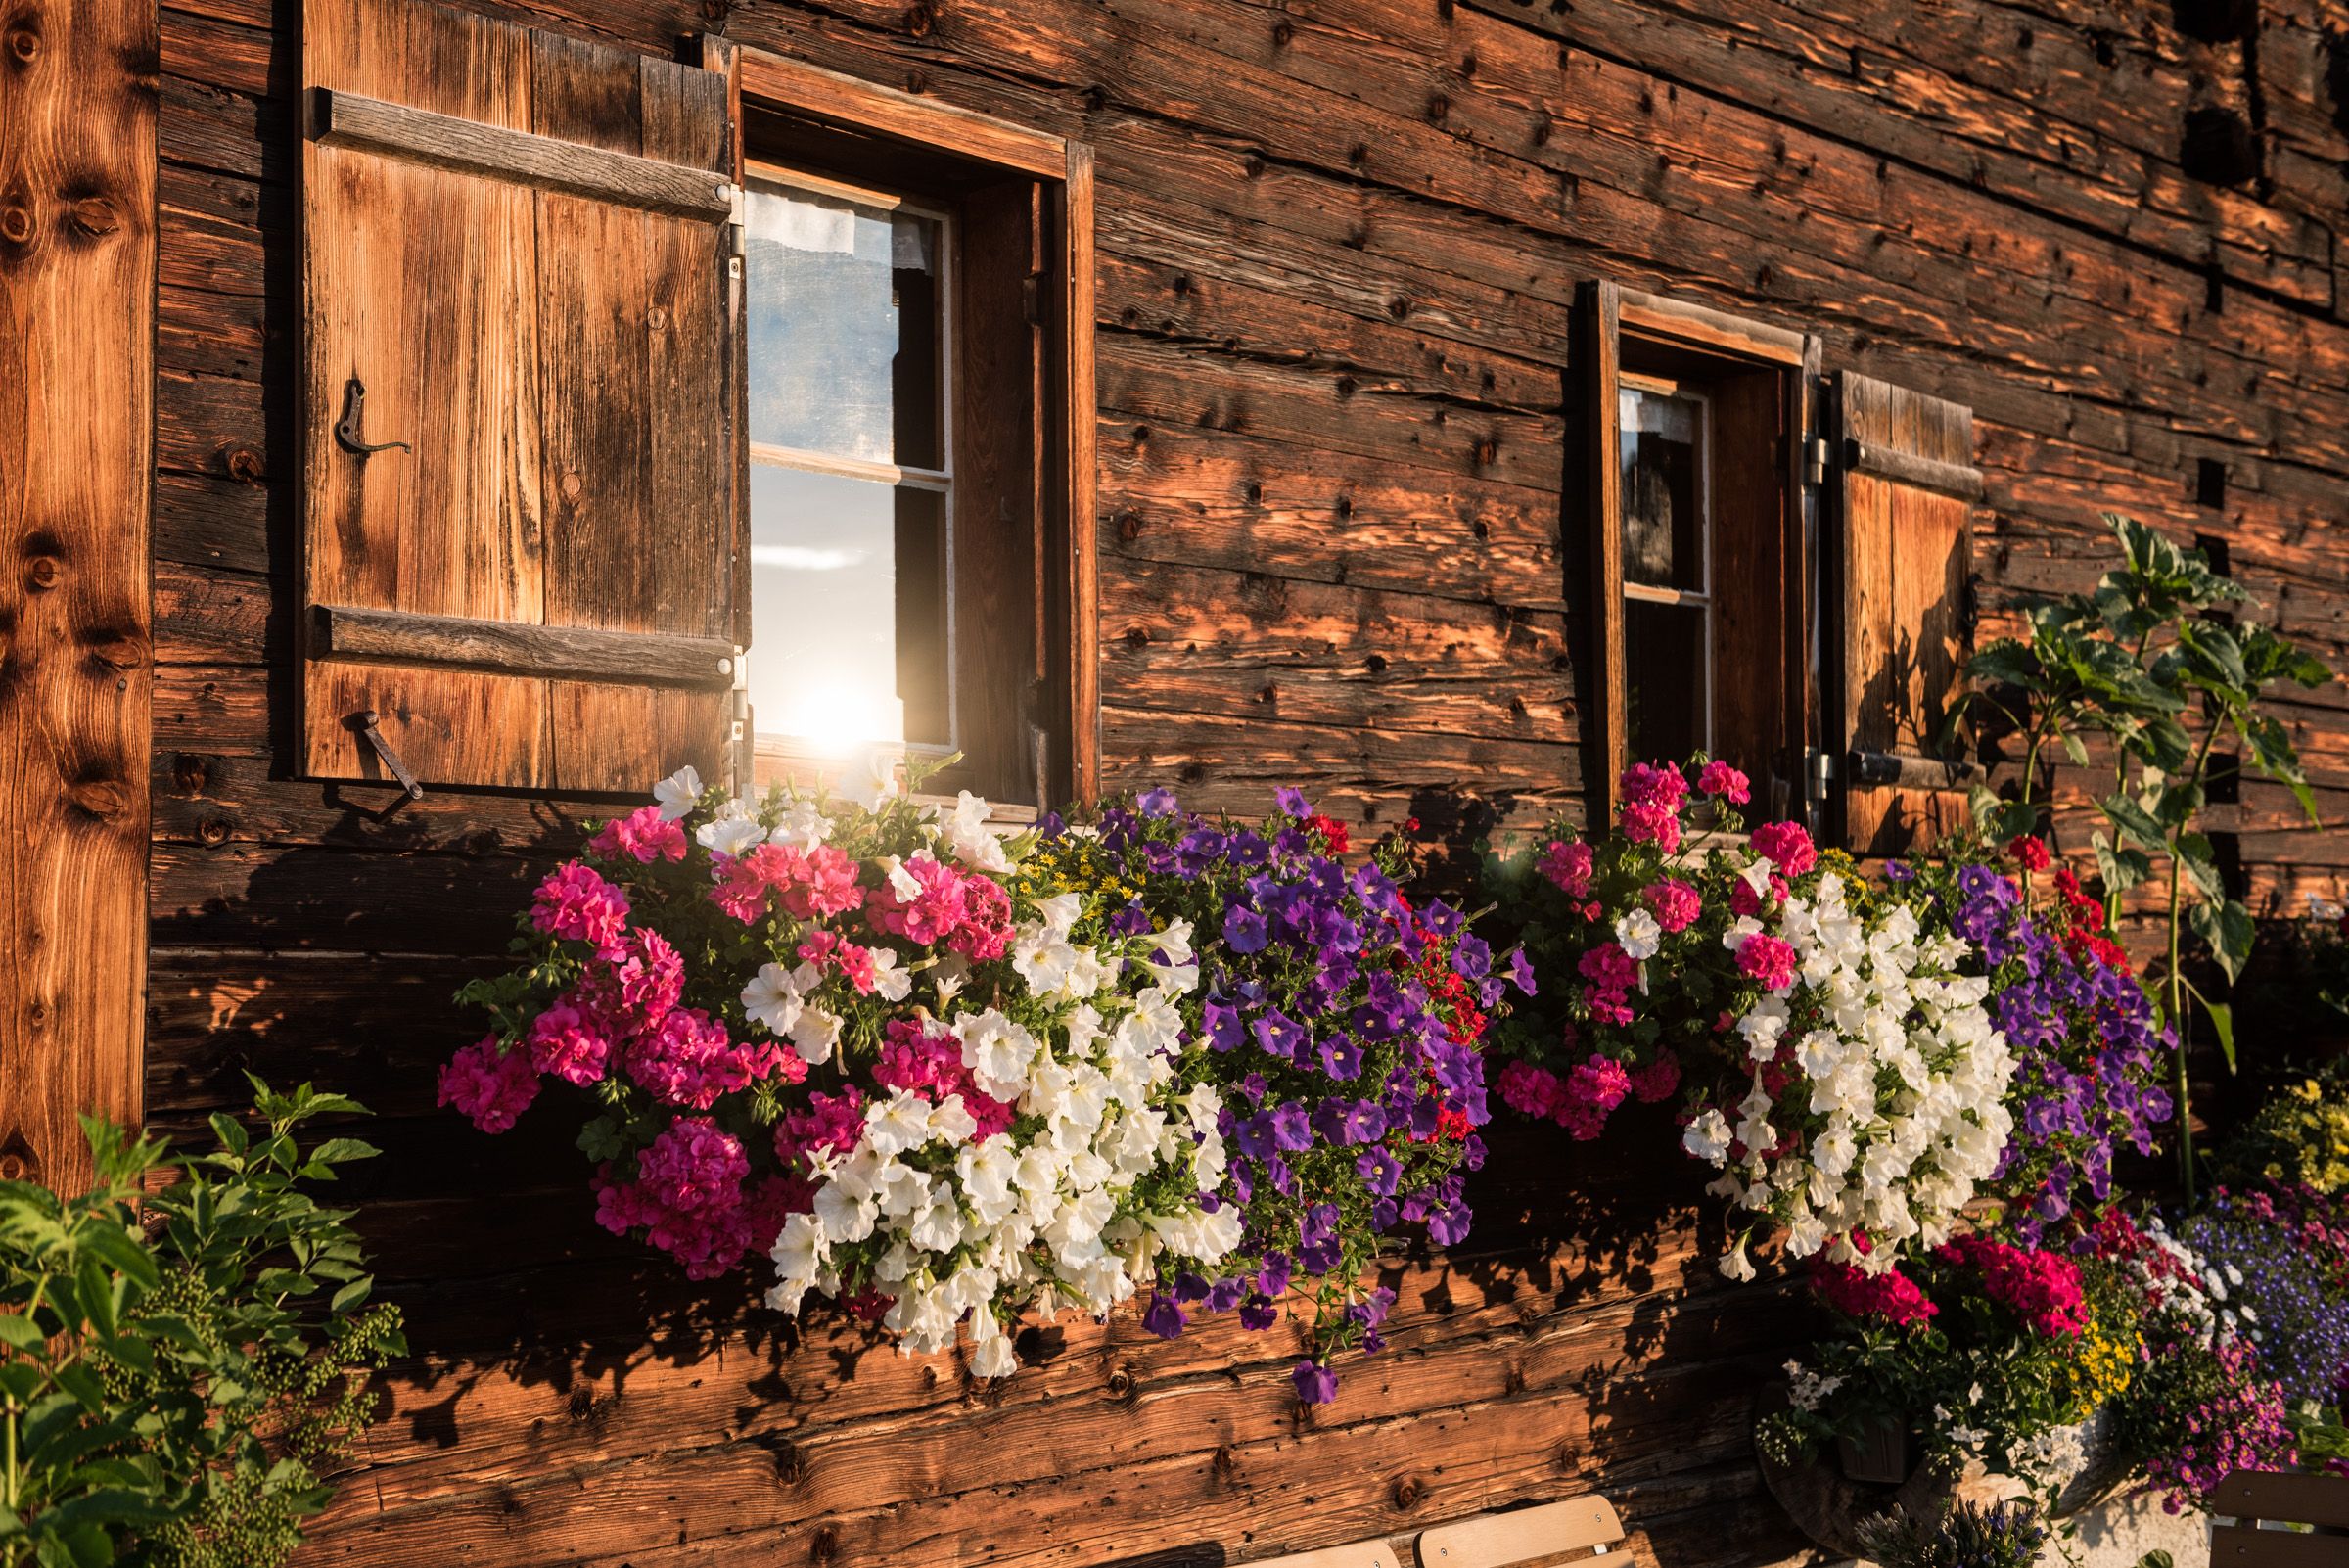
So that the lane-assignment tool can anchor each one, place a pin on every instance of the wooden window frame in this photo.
(1068, 617)
(1610, 316)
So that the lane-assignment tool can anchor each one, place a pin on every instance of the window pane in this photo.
(847, 608)
(1666, 678)
(844, 301)
(1663, 528)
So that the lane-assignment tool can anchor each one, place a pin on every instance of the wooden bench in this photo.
(1528, 1536)
(2252, 1497)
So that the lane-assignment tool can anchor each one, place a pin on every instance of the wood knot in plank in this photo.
(95, 216)
(243, 464)
(1129, 527)
(213, 831)
(824, 1545)
(24, 44)
(191, 773)
(18, 1161)
(16, 225)
(1407, 1492)
(100, 798)
(116, 648)
(43, 573)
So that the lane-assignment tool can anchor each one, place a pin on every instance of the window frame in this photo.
(1609, 316)
(1066, 621)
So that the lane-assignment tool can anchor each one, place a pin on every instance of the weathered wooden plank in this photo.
(1450, 783)
(1252, 646)
(515, 648)
(1183, 494)
(77, 266)
(462, 146)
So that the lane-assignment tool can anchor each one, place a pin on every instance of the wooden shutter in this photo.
(516, 259)
(1904, 488)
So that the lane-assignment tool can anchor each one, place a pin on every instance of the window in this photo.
(1699, 547)
(851, 465)
(1667, 568)
(918, 405)
(758, 426)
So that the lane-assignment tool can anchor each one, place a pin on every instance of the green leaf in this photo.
(18, 1332)
(2222, 1019)
(2075, 746)
(2227, 927)
(2121, 868)
(2134, 823)
(334, 1150)
(351, 1295)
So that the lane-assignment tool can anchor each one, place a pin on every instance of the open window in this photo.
(734, 413)
(918, 435)
(1700, 556)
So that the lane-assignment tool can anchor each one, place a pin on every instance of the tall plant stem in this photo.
(2175, 981)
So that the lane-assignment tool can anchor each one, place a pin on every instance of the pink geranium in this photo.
(1591, 1091)
(1658, 1081)
(688, 1060)
(1725, 782)
(1648, 823)
(570, 1044)
(643, 835)
(1786, 845)
(1675, 903)
(1568, 864)
(576, 903)
(1769, 960)
(925, 1060)
(2043, 1288)
(490, 1085)
(1855, 1293)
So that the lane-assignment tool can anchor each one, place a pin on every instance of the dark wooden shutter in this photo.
(517, 244)
(1905, 490)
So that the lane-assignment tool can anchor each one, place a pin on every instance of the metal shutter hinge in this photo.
(1815, 460)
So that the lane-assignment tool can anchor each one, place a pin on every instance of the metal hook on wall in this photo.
(349, 429)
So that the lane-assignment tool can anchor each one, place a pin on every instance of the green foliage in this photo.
(2003, 1534)
(177, 1371)
(2158, 661)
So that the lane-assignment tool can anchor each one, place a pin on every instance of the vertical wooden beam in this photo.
(1083, 415)
(77, 257)
(1604, 732)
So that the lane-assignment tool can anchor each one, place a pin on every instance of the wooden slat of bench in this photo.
(2286, 1497)
(1496, 1540)
(2242, 1547)
(1359, 1555)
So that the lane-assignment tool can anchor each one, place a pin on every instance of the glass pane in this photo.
(844, 299)
(1663, 526)
(848, 610)
(1668, 679)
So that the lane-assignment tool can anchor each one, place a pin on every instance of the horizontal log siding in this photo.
(1339, 241)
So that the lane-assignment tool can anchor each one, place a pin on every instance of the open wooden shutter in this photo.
(518, 261)
(1904, 488)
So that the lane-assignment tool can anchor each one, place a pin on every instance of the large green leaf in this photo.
(2135, 823)
(2227, 927)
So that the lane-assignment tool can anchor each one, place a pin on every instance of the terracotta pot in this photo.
(1880, 1453)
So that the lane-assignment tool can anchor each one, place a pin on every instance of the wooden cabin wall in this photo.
(1338, 245)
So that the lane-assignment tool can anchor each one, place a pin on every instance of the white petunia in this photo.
(678, 794)
(770, 1000)
(732, 832)
(801, 827)
(891, 978)
(1639, 935)
(816, 1035)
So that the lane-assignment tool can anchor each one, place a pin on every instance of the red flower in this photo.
(2029, 852)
